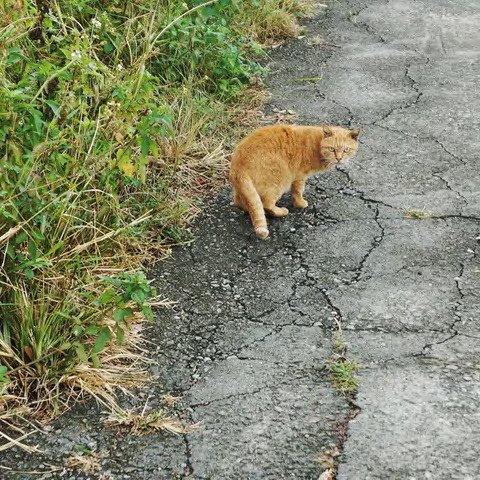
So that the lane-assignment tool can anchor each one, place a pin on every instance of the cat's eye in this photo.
(331, 149)
(346, 149)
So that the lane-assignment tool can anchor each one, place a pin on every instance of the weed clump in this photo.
(114, 117)
(416, 214)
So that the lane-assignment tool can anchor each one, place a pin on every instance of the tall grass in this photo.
(114, 118)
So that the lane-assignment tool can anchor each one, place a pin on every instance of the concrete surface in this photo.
(247, 342)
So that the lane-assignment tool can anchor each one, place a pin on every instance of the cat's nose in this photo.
(339, 158)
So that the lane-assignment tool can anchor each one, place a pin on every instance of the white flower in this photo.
(76, 56)
(120, 67)
(96, 23)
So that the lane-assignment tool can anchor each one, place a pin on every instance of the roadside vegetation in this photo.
(115, 118)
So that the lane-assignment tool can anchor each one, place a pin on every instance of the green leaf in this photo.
(37, 120)
(78, 330)
(148, 313)
(103, 337)
(55, 106)
(20, 238)
(145, 143)
(15, 55)
(107, 296)
(32, 250)
(29, 273)
(92, 330)
(122, 313)
(119, 334)
(38, 235)
(81, 353)
(108, 47)
(95, 360)
(139, 296)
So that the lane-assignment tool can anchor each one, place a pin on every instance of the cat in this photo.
(272, 160)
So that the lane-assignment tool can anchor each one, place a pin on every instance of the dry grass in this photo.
(148, 421)
(416, 214)
(12, 435)
(200, 164)
(275, 20)
(86, 461)
(328, 474)
(123, 366)
(143, 423)
(93, 232)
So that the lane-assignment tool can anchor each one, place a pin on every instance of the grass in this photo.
(270, 21)
(416, 214)
(85, 460)
(116, 118)
(144, 423)
(342, 370)
(343, 375)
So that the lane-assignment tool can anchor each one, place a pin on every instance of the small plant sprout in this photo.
(416, 214)
(343, 375)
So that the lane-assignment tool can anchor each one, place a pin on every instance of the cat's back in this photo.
(266, 137)
(272, 138)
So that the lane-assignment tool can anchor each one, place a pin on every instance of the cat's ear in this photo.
(354, 133)
(327, 131)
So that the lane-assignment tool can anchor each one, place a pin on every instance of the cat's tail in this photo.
(244, 186)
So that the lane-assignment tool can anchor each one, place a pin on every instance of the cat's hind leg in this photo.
(253, 203)
(239, 200)
(298, 187)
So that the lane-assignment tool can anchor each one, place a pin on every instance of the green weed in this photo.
(343, 375)
(416, 214)
(114, 119)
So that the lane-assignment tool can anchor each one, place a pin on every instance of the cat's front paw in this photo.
(300, 203)
(278, 211)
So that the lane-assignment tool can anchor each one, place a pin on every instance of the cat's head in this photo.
(338, 144)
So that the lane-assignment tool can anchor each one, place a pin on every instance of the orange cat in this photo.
(272, 160)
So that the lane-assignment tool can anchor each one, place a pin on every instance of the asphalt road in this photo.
(247, 343)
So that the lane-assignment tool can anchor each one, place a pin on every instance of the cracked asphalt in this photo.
(247, 342)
